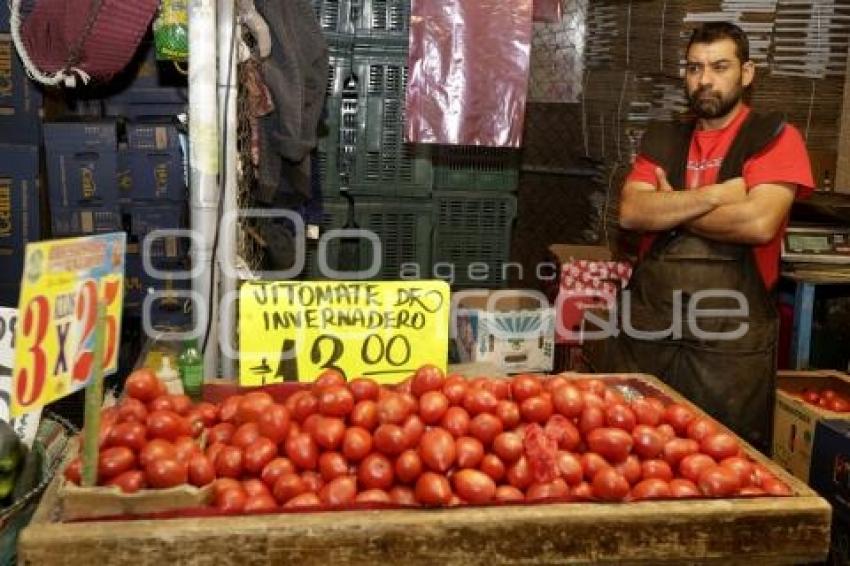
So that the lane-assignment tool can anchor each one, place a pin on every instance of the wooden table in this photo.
(769, 530)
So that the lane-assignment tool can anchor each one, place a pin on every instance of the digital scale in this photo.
(817, 244)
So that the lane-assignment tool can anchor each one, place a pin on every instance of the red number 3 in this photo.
(28, 387)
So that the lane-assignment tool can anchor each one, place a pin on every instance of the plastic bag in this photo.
(171, 31)
(469, 64)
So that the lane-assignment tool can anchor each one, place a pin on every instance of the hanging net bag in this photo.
(60, 41)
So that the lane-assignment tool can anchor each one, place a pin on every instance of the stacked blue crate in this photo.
(20, 98)
(19, 215)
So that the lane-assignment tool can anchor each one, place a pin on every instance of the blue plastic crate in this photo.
(151, 168)
(85, 221)
(82, 163)
(19, 199)
(145, 218)
(20, 100)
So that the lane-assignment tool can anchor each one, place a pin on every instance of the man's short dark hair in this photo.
(710, 32)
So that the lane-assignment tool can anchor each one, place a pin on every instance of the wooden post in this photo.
(94, 399)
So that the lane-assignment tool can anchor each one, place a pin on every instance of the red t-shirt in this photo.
(785, 160)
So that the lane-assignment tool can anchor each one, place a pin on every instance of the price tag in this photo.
(25, 425)
(54, 337)
(292, 331)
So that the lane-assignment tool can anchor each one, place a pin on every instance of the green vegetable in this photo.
(7, 483)
(10, 448)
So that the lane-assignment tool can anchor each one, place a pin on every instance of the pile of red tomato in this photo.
(826, 399)
(432, 440)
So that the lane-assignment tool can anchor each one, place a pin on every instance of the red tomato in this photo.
(254, 487)
(223, 484)
(432, 406)
(810, 397)
(456, 421)
(222, 432)
(742, 467)
(228, 462)
(473, 486)
(375, 472)
(658, 469)
(591, 419)
(336, 401)
(201, 470)
(519, 474)
(612, 397)
(550, 384)
(485, 427)
(630, 469)
(609, 485)
(408, 466)
(373, 496)
(508, 446)
(437, 450)
(508, 413)
(231, 500)
(143, 385)
(166, 473)
(130, 434)
(678, 416)
(274, 423)
(340, 491)
(263, 503)
(185, 447)
(592, 463)
(114, 461)
(313, 480)
(525, 386)
(666, 431)
(454, 389)
(275, 469)
(130, 481)
(720, 446)
(509, 494)
(403, 496)
(569, 467)
(652, 488)
(499, 387)
(620, 416)
(470, 452)
(167, 425)
(595, 386)
(156, 449)
(593, 400)
(555, 489)
(161, 403)
(363, 388)
(393, 409)
(675, 450)
(132, 410)
(536, 409)
(827, 394)
(356, 443)
(208, 412)
(477, 401)
(568, 401)
(693, 465)
(613, 444)
(718, 481)
(329, 378)
(751, 491)
(701, 427)
(287, 486)
(492, 466)
(583, 492)
(329, 432)
(180, 404)
(258, 454)
(648, 442)
(304, 500)
(389, 439)
(684, 489)
(433, 489)
(564, 432)
(252, 405)
(646, 412)
(427, 378)
(413, 429)
(365, 414)
(245, 435)
(302, 451)
(332, 465)
(838, 404)
(73, 471)
(775, 487)
(305, 404)
(229, 407)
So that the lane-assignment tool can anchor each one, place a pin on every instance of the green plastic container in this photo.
(476, 168)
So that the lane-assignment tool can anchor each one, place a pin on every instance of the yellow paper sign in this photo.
(292, 331)
(62, 284)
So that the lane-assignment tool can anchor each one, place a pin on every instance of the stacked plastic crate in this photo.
(402, 191)
(20, 137)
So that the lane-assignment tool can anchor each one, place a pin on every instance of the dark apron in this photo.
(731, 380)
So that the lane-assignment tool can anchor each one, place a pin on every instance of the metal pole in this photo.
(203, 160)
(227, 93)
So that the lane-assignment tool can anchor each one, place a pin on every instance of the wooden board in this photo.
(766, 530)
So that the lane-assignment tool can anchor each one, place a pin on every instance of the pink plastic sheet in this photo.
(547, 11)
(469, 67)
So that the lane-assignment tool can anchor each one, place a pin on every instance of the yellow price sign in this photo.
(63, 282)
(292, 331)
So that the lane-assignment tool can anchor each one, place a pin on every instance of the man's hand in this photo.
(729, 192)
(663, 184)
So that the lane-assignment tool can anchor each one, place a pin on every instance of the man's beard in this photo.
(709, 104)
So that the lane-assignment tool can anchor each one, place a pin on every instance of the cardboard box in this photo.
(830, 472)
(82, 163)
(795, 421)
(585, 277)
(506, 328)
(85, 221)
(20, 99)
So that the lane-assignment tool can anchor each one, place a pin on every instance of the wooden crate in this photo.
(768, 530)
